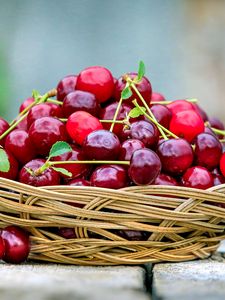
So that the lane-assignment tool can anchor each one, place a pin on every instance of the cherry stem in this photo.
(67, 162)
(218, 131)
(116, 114)
(222, 141)
(102, 121)
(191, 100)
(49, 100)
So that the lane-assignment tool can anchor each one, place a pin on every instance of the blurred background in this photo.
(182, 43)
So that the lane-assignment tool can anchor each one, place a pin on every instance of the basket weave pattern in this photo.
(182, 223)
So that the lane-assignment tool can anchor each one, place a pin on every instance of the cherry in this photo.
(128, 147)
(157, 97)
(2, 247)
(222, 164)
(208, 151)
(187, 124)
(176, 156)
(67, 233)
(109, 176)
(26, 103)
(133, 235)
(79, 182)
(200, 111)
(164, 179)
(216, 123)
(144, 87)
(180, 105)
(45, 132)
(42, 110)
(145, 166)
(77, 170)
(218, 179)
(28, 174)
(66, 86)
(80, 100)
(80, 124)
(146, 132)
(19, 144)
(98, 81)
(209, 131)
(17, 245)
(197, 177)
(22, 124)
(101, 145)
(4, 125)
(13, 170)
(162, 114)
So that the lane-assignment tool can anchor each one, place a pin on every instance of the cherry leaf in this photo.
(141, 70)
(4, 161)
(59, 148)
(126, 93)
(36, 95)
(136, 112)
(63, 171)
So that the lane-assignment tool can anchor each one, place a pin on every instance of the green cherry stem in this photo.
(49, 100)
(191, 100)
(116, 114)
(102, 121)
(218, 131)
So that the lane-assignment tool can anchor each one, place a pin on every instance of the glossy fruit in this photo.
(66, 86)
(67, 233)
(4, 125)
(48, 177)
(180, 105)
(80, 124)
(144, 167)
(26, 103)
(197, 177)
(162, 114)
(216, 123)
(222, 164)
(2, 247)
(218, 179)
(187, 124)
(109, 176)
(45, 132)
(156, 97)
(208, 151)
(164, 179)
(128, 147)
(17, 245)
(98, 81)
(176, 156)
(20, 145)
(80, 100)
(101, 145)
(201, 112)
(146, 132)
(79, 182)
(144, 87)
(14, 167)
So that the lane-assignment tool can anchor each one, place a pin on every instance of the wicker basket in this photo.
(182, 223)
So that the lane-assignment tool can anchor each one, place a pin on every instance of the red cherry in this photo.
(216, 123)
(20, 145)
(80, 124)
(222, 164)
(218, 179)
(13, 170)
(79, 182)
(17, 245)
(162, 114)
(26, 103)
(200, 111)
(67, 233)
(157, 97)
(2, 247)
(187, 124)
(98, 81)
(133, 235)
(22, 124)
(180, 105)
(164, 179)
(197, 177)
(4, 125)
(128, 147)
(66, 86)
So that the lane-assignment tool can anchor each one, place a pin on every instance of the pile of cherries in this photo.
(119, 133)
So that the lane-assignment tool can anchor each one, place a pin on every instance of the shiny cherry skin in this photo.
(80, 124)
(146, 132)
(101, 145)
(109, 176)
(98, 81)
(14, 167)
(216, 123)
(77, 170)
(128, 147)
(218, 179)
(19, 144)
(17, 244)
(133, 235)
(79, 182)
(197, 177)
(26, 103)
(2, 247)
(200, 111)
(208, 151)
(157, 97)
(209, 131)
(162, 114)
(66, 86)
(22, 124)
(144, 87)
(4, 125)
(67, 233)
(176, 156)
(144, 167)
(222, 164)
(80, 100)
(187, 124)
(48, 177)
(45, 132)
(164, 179)
(180, 105)
(42, 110)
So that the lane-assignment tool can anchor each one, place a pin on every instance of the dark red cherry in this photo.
(2, 247)
(164, 179)
(218, 179)
(144, 87)
(14, 167)
(101, 145)
(27, 174)
(66, 86)
(45, 132)
(128, 147)
(209, 131)
(17, 245)
(98, 81)
(80, 100)
(4, 125)
(146, 132)
(201, 112)
(26, 103)
(67, 233)
(20, 145)
(216, 123)
(133, 235)
(157, 97)
(176, 156)
(145, 166)
(208, 151)
(79, 182)
(197, 177)
(162, 114)
(109, 176)
(22, 124)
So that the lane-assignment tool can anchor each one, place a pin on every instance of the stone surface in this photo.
(48, 282)
(190, 280)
